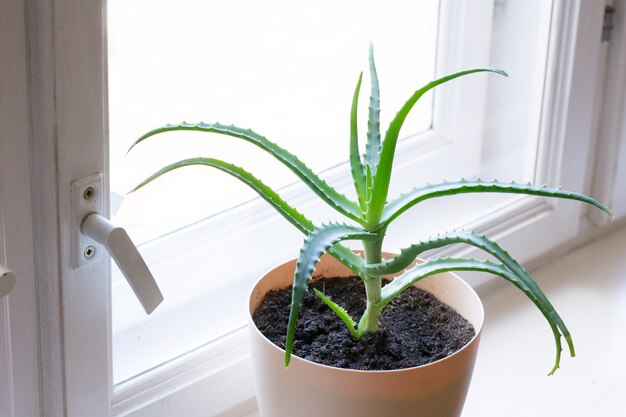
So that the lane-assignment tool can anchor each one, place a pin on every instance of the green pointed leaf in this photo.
(315, 245)
(373, 146)
(341, 253)
(339, 311)
(369, 185)
(408, 255)
(398, 206)
(432, 267)
(383, 172)
(356, 166)
(349, 259)
(291, 214)
(435, 266)
(327, 193)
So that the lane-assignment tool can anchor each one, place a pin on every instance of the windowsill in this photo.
(588, 289)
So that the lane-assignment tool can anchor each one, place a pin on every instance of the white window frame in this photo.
(19, 332)
(68, 142)
(567, 138)
(608, 182)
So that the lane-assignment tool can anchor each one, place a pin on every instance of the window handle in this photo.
(128, 259)
(92, 229)
(7, 281)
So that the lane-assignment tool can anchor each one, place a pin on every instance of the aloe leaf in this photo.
(369, 185)
(398, 206)
(431, 267)
(373, 146)
(339, 311)
(435, 266)
(383, 171)
(316, 243)
(349, 259)
(332, 197)
(356, 166)
(293, 216)
(408, 255)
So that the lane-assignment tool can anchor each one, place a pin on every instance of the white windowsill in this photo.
(588, 289)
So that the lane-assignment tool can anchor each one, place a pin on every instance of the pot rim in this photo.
(296, 358)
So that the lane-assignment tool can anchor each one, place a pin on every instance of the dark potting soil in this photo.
(414, 329)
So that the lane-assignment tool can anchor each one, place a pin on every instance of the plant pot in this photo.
(308, 389)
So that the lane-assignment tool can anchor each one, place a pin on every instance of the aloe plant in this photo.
(372, 213)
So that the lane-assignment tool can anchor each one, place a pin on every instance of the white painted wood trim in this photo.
(45, 200)
(68, 101)
(7, 391)
(619, 189)
(226, 359)
(611, 135)
(19, 355)
(567, 121)
(566, 138)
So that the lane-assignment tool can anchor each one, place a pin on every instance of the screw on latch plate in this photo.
(89, 193)
(89, 251)
(607, 25)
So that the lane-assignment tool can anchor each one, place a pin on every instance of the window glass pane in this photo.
(285, 69)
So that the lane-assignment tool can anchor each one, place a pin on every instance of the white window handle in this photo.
(128, 259)
(7, 281)
(91, 228)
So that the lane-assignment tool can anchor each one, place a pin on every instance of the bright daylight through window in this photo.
(287, 70)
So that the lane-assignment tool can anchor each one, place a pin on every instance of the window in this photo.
(288, 80)
(293, 83)
(70, 80)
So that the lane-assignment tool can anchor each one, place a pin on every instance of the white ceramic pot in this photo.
(307, 389)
